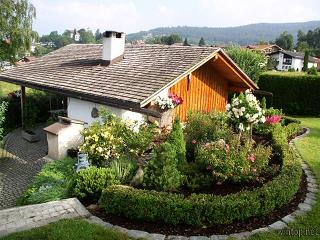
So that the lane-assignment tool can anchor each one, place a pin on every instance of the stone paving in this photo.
(33, 216)
(19, 167)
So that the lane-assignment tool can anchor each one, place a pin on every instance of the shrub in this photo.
(194, 177)
(102, 143)
(294, 93)
(312, 71)
(203, 127)
(207, 209)
(124, 169)
(232, 161)
(176, 138)
(251, 62)
(3, 108)
(89, 183)
(161, 172)
(245, 111)
(41, 101)
(111, 137)
(50, 184)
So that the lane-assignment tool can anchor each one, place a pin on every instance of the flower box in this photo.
(30, 136)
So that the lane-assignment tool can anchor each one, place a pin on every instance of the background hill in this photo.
(247, 34)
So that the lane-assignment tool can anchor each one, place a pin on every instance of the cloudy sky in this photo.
(136, 15)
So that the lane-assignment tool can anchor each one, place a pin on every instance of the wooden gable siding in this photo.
(207, 90)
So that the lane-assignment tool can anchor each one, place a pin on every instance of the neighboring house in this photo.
(128, 79)
(265, 48)
(291, 60)
(77, 36)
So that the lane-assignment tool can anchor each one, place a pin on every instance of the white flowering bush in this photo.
(245, 111)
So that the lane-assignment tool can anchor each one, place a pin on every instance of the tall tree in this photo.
(305, 61)
(185, 43)
(285, 41)
(16, 18)
(202, 42)
(98, 36)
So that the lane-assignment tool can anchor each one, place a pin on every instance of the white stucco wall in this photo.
(81, 110)
(297, 64)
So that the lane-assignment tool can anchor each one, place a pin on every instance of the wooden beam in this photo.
(23, 103)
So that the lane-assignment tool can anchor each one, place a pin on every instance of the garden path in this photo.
(19, 167)
(32, 216)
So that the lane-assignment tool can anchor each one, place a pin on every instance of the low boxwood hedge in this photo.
(206, 209)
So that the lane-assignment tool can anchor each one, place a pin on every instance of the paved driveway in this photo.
(18, 169)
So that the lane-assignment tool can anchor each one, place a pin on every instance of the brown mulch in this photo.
(187, 230)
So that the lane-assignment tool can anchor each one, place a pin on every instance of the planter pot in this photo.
(30, 136)
(166, 118)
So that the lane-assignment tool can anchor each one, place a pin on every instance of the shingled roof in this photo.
(76, 70)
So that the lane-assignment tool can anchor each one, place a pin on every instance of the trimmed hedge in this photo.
(294, 93)
(206, 209)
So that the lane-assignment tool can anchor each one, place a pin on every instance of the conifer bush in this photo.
(161, 172)
(176, 138)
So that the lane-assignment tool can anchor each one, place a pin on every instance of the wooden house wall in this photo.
(205, 91)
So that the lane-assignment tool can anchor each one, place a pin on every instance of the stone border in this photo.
(303, 208)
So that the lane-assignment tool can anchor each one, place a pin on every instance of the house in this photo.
(264, 48)
(128, 79)
(291, 60)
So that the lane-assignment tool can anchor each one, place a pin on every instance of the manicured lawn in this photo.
(68, 230)
(6, 88)
(309, 150)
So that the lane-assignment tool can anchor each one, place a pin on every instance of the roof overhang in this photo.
(224, 65)
(131, 106)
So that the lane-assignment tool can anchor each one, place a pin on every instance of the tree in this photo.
(98, 36)
(202, 42)
(185, 43)
(285, 41)
(305, 61)
(86, 36)
(168, 40)
(16, 18)
(251, 62)
(41, 50)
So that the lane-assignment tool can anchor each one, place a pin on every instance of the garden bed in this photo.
(187, 230)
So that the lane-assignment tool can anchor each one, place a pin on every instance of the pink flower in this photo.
(254, 170)
(209, 167)
(219, 183)
(273, 120)
(175, 99)
(194, 141)
(251, 157)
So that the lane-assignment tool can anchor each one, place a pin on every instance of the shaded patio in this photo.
(21, 165)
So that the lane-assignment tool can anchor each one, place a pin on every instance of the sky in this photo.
(136, 15)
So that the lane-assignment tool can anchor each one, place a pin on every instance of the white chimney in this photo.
(113, 47)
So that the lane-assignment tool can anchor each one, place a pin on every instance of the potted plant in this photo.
(30, 114)
(165, 105)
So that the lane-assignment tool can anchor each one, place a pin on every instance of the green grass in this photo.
(68, 230)
(6, 88)
(308, 147)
